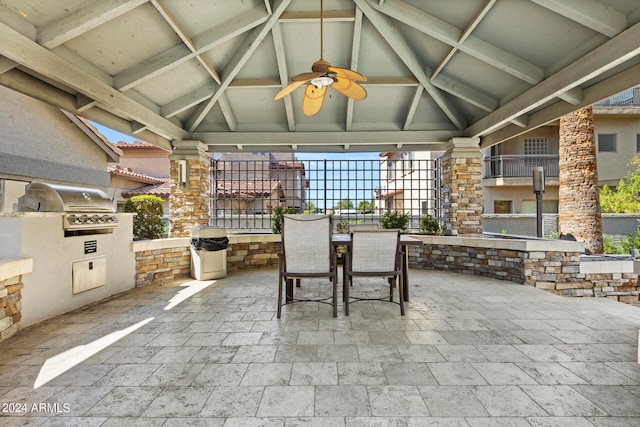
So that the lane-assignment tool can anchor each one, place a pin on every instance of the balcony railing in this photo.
(515, 166)
(630, 97)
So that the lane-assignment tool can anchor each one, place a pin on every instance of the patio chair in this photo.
(364, 226)
(375, 253)
(307, 252)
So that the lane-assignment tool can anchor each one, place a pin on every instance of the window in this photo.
(407, 162)
(536, 146)
(502, 206)
(607, 143)
(548, 206)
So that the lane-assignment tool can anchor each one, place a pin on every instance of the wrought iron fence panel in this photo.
(246, 194)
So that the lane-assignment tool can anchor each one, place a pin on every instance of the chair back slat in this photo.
(306, 243)
(374, 251)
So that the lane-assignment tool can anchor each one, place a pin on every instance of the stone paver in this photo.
(470, 352)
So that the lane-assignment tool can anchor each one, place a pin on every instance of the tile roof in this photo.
(136, 144)
(390, 194)
(161, 190)
(248, 188)
(135, 176)
(287, 165)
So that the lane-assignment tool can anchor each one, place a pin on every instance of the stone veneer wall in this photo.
(161, 261)
(10, 306)
(164, 260)
(11, 272)
(252, 251)
(550, 265)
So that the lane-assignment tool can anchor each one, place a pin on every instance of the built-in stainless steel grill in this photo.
(83, 208)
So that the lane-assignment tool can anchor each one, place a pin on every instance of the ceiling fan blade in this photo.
(313, 99)
(305, 77)
(349, 88)
(350, 74)
(288, 89)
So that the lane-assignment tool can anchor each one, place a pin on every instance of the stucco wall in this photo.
(48, 288)
(39, 141)
(613, 166)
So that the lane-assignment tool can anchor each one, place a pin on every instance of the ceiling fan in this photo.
(322, 75)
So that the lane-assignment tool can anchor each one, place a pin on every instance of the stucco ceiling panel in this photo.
(254, 106)
(220, 55)
(373, 109)
(429, 50)
(42, 12)
(125, 41)
(198, 16)
(175, 82)
(262, 63)
(454, 12)
(302, 45)
(535, 35)
(377, 58)
(214, 121)
(481, 76)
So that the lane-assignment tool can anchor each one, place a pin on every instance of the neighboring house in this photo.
(143, 169)
(39, 142)
(507, 170)
(408, 183)
(144, 158)
(507, 175)
(258, 182)
(126, 183)
(247, 197)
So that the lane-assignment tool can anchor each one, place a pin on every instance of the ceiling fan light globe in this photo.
(321, 81)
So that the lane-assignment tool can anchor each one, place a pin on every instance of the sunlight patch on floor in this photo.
(61, 363)
(190, 289)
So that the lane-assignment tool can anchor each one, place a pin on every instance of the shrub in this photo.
(630, 242)
(394, 220)
(429, 225)
(147, 224)
(276, 218)
(609, 246)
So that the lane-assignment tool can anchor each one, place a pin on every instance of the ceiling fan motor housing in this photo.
(321, 66)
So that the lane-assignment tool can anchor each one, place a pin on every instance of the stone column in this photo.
(461, 187)
(579, 214)
(189, 198)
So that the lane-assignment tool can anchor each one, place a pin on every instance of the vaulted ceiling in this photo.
(164, 70)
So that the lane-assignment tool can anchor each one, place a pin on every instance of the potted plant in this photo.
(429, 225)
(394, 220)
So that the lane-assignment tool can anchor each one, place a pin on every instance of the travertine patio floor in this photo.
(470, 352)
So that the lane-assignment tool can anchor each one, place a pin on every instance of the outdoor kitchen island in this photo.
(81, 253)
